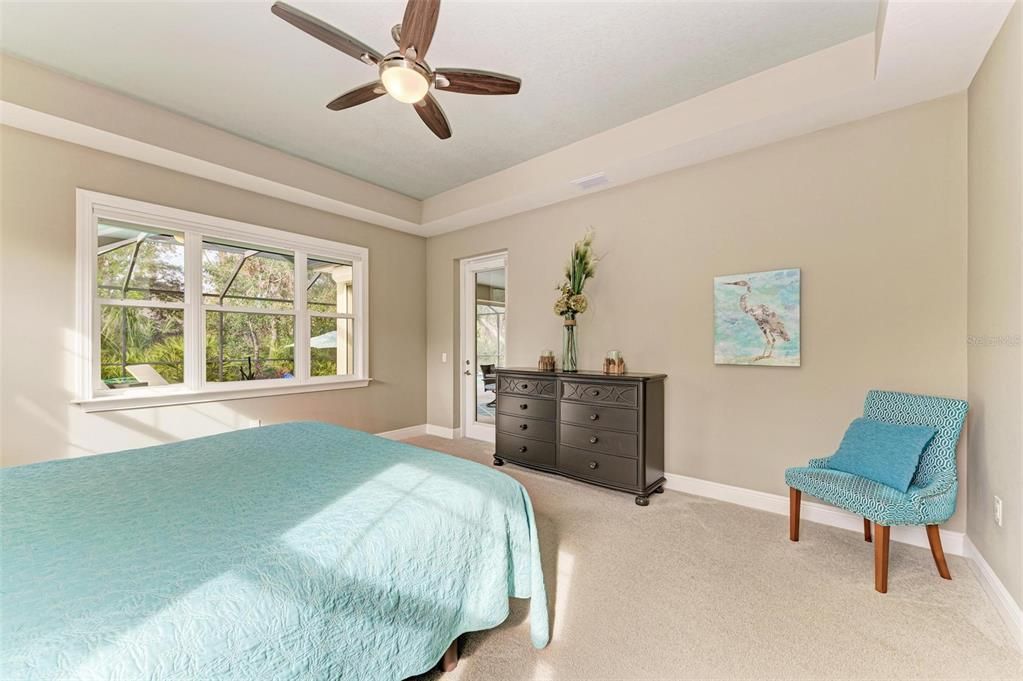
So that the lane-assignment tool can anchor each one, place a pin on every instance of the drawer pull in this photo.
(523, 426)
(593, 440)
(523, 406)
(524, 386)
(593, 465)
(595, 393)
(522, 449)
(594, 417)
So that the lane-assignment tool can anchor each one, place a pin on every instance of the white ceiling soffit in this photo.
(586, 67)
(45, 102)
(922, 50)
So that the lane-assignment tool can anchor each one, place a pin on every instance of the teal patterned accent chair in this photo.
(931, 498)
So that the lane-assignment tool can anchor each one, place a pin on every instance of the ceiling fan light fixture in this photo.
(404, 80)
(403, 73)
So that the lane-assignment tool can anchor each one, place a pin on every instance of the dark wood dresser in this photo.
(606, 430)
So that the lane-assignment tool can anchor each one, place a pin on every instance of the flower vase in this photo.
(570, 348)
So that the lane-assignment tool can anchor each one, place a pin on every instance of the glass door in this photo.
(484, 330)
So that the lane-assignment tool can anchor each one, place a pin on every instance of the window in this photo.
(248, 294)
(329, 317)
(176, 307)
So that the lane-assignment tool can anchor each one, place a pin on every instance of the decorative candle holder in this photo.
(614, 364)
(546, 361)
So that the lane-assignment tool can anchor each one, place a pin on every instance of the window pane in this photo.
(331, 348)
(243, 275)
(329, 286)
(141, 263)
(141, 346)
(243, 346)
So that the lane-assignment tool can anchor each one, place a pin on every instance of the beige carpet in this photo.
(691, 588)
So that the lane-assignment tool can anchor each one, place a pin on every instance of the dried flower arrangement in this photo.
(579, 269)
(572, 301)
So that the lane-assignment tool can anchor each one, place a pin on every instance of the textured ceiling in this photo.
(586, 67)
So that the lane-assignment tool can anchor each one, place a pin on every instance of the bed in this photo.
(302, 550)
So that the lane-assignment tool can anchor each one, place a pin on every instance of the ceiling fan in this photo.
(404, 73)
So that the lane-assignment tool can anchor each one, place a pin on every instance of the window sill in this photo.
(175, 397)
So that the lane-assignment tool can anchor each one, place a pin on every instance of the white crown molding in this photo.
(919, 51)
(24, 118)
(642, 147)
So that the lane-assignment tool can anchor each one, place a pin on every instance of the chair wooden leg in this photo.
(794, 498)
(882, 533)
(450, 659)
(866, 529)
(934, 538)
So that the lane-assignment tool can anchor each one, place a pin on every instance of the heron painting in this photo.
(756, 318)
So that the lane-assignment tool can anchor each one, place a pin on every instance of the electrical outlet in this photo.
(998, 511)
(444, 358)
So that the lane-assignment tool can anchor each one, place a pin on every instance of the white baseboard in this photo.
(404, 433)
(951, 542)
(1003, 601)
(422, 429)
(442, 431)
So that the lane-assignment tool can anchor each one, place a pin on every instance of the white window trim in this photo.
(91, 206)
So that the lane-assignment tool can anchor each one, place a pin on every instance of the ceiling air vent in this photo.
(590, 181)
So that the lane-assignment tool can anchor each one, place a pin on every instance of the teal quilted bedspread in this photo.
(297, 551)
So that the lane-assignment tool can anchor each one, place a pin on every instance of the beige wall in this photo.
(995, 160)
(874, 213)
(37, 269)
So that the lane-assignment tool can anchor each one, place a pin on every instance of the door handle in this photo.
(468, 373)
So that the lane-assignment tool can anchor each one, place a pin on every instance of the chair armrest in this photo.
(819, 463)
(935, 489)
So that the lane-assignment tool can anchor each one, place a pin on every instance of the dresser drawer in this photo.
(613, 394)
(600, 417)
(527, 385)
(607, 441)
(614, 470)
(533, 428)
(517, 448)
(526, 406)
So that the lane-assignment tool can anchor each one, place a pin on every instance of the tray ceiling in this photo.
(586, 67)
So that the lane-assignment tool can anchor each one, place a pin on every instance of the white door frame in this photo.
(467, 325)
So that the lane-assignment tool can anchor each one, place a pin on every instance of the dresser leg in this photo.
(642, 500)
(498, 461)
(659, 490)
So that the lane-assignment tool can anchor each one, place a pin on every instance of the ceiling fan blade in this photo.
(325, 32)
(473, 82)
(431, 113)
(360, 95)
(417, 26)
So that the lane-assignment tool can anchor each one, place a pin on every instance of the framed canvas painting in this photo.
(756, 318)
